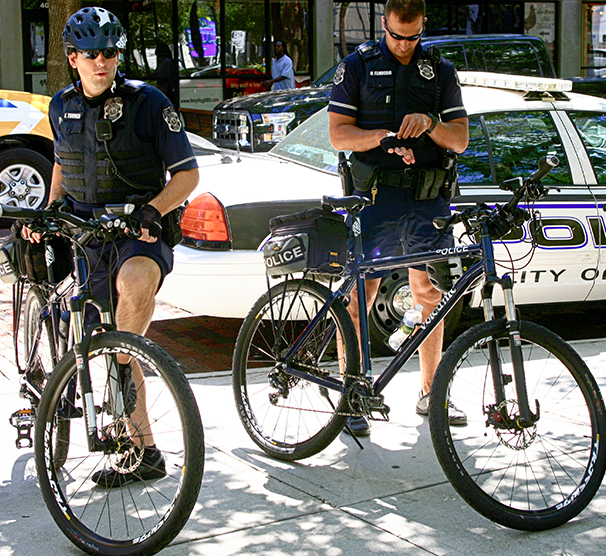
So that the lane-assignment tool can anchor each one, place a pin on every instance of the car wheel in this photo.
(25, 178)
(393, 299)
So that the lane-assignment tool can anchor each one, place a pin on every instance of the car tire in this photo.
(393, 299)
(25, 178)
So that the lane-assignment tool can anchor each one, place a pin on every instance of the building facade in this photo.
(204, 51)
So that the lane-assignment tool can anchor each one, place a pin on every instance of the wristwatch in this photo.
(434, 123)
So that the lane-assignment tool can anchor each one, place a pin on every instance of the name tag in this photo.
(72, 116)
(380, 73)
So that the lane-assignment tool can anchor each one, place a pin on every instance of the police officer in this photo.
(399, 108)
(115, 139)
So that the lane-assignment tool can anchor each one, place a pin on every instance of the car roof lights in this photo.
(515, 82)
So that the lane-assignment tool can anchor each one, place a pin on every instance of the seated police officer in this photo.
(123, 159)
(399, 108)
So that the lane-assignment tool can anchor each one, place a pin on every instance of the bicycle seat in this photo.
(350, 203)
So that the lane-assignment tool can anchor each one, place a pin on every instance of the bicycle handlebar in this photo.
(106, 219)
(502, 218)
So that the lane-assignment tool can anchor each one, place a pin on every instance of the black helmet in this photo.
(92, 28)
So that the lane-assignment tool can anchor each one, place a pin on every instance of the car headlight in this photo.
(272, 128)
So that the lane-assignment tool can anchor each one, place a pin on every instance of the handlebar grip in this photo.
(546, 165)
(18, 212)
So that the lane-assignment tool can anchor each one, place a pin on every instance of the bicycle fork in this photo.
(499, 415)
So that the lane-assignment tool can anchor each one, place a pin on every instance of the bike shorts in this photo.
(105, 260)
(397, 220)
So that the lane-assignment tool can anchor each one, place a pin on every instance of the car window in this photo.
(309, 144)
(515, 58)
(509, 144)
(455, 53)
(592, 129)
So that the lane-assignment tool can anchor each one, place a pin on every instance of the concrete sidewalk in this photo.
(390, 498)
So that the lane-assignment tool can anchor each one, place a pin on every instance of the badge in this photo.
(113, 109)
(426, 69)
(339, 74)
(172, 119)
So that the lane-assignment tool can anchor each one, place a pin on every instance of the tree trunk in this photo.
(57, 68)
(342, 37)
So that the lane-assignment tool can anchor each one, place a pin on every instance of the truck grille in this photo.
(231, 128)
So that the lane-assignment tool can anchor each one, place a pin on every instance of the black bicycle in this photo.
(89, 416)
(531, 456)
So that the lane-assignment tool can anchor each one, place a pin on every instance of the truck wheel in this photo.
(393, 299)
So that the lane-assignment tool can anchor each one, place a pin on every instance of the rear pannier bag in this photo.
(313, 240)
(12, 258)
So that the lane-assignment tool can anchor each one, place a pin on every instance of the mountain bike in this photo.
(86, 411)
(531, 456)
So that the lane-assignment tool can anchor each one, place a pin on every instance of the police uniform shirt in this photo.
(411, 93)
(156, 123)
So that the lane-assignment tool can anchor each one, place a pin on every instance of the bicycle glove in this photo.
(393, 142)
(148, 217)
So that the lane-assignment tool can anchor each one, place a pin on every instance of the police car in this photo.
(26, 149)
(513, 122)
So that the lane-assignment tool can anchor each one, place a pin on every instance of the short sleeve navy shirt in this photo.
(349, 82)
(173, 147)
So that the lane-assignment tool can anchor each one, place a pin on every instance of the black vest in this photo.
(392, 90)
(88, 175)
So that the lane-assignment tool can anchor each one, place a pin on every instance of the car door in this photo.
(552, 258)
(587, 129)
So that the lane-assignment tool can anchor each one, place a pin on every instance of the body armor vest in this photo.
(392, 90)
(88, 174)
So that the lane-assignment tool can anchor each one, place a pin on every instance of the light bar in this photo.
(514, 82)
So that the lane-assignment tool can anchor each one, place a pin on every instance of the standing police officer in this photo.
(399, 108)
(115, 139)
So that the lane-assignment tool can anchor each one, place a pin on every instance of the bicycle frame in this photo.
(486, 267)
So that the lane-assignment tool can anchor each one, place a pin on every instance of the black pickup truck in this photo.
(257, 122)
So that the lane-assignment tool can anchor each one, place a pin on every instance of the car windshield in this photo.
(309, 144)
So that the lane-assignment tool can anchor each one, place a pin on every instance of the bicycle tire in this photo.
(531, 479)
(139, 517)
(288, 417)
(44, 360)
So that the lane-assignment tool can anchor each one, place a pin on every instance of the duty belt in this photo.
(400, 179)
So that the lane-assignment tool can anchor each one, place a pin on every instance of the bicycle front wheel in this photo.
(525, 477)
(293, 417)
(115, 501)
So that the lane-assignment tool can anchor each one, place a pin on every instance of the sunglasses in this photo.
(412, 38)
(108, 53)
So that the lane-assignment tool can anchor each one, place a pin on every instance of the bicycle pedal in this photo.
(23, 421)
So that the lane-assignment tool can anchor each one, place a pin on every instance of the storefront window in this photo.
(594, 54)
(290, 22)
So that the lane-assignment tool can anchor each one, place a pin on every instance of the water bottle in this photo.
(412, 317)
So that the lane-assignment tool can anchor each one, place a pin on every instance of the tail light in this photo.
(204, 220)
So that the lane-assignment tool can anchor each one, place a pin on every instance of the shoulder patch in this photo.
(172, 119)
(339, 74)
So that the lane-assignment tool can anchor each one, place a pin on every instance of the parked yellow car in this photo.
(26, 149)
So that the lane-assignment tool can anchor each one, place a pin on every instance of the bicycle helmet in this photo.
(92, 28)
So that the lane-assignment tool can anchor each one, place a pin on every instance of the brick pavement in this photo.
(199, 344)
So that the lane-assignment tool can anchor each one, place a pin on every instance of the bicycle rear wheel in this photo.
(291, 417)
(531, 478)
(38, 332)
(133, 515)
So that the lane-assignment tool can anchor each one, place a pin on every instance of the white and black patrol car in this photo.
(514, 121)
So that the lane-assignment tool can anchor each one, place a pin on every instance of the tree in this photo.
(57, 69)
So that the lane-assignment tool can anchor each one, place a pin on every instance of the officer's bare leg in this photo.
(137, 284)
(372, 289)
(430, 351)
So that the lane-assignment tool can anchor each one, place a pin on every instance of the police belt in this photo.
(411, 177)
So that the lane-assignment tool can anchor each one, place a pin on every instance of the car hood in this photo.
(260, 178)
(275, 101)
